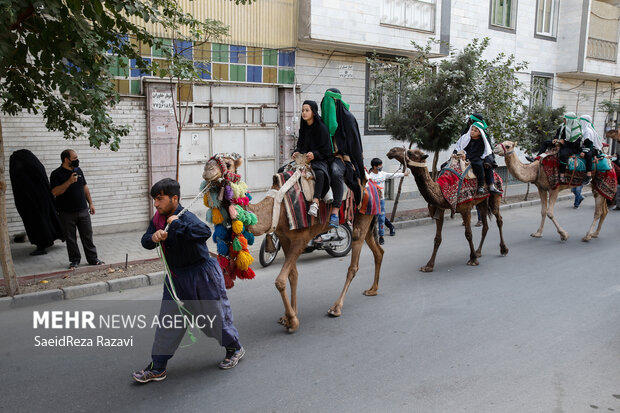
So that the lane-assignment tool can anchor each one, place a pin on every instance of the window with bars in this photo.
(503, 13)
(541, 90)
(412, 14)
(546, 17)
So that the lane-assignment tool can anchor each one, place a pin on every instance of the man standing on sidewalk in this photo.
(71, 191)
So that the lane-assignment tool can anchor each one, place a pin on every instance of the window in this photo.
(503, 13)
(546, 16)
(379, 100)
(541, 89)
(411, 14)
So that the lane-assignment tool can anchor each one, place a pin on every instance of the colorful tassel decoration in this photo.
(244, 260)
(228, 193)
(209, 215)
(222, 247)
(232, 212)
(237, 227)
(243, 242)
(237, 244)
(217, 216)
(249, 236)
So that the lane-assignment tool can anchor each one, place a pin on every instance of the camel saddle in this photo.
(459, 163)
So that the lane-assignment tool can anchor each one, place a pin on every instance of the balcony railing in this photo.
(602, 49)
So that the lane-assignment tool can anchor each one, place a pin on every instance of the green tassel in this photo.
(236, 245)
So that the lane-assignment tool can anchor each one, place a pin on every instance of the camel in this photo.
(293, 242)
(534, 173)
(415, 159)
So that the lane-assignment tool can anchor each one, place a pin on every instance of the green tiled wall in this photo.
(225, 62)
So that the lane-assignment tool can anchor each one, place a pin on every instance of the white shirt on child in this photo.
(380, 177)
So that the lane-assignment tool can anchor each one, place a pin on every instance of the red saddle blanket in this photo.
(371, 201)
(457, 190)
(551, 168)
(605, 183)
(602, 182)
(296, 207)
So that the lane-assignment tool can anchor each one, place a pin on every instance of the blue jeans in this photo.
(578, 198)
(382, 219)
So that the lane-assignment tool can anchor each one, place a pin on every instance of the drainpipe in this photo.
(595, 96)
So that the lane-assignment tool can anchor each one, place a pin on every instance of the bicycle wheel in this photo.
(267, 258)
(342, 247)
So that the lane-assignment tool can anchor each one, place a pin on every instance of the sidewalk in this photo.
(116, 248)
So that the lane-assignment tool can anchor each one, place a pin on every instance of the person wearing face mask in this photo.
(72, 194)
(379, 176)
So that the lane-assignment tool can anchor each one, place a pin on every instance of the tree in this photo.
(541, 123)
(55, 59)
(435, 97)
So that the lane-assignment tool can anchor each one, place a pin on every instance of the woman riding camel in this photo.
(592, 144)
(314, 142)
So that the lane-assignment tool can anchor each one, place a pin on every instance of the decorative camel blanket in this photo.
(371, 201)
(457, 189)
(605, 183)
(551, 168)
(295, 204)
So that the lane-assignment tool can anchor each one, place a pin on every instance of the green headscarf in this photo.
(572, 127)
(328, 110)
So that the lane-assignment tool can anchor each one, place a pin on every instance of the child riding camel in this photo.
(476, 147)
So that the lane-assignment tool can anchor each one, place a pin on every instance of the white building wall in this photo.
(118, 181)
(317, 71)
(358, 22)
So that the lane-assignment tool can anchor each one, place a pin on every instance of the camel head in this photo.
(410, 156)
(501, 149)
(613, 134)
(222, 166)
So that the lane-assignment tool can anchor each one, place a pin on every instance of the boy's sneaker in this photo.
(381, 241)
(587, 180)
(334, 221)
(314, 209)
(232, 358)
(149, 374)
(392, 232)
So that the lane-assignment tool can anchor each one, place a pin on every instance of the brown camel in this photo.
(293, 242)
(534, 173)
(415, 159)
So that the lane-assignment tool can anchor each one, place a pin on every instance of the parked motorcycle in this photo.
(336, 242)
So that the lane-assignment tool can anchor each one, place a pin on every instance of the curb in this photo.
(79, 291)
(155, 278)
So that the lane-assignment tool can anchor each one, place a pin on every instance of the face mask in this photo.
(379, 169)
(75, 163)
(614, 159)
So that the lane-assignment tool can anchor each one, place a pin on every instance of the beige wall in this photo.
(118, 181)
(264, 23)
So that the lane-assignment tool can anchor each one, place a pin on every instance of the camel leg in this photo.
(543, 195)
(377, 253)
(553, 197)
(484, 212)
(604, 211)
(360, 228)
(292, 251)
(495, 210)
(473, 260)
(430, 265)
(293, 275)
(600, 212)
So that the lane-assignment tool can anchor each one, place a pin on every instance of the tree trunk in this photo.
(8, 269)
(435, 161)
(400, 187)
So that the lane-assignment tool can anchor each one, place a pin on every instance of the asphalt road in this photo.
(535, 331)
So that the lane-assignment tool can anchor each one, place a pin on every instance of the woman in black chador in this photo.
(34, 200)
(314, 142)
